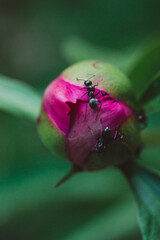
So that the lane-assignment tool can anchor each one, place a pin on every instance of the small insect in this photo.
(104, 140)
(142, 119)
(93, 101)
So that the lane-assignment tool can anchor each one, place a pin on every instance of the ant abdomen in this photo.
(93, 102)
(104, 140)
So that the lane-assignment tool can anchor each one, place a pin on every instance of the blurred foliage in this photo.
(146, 187)
(36, 44)
(150, 98)
(18, 98)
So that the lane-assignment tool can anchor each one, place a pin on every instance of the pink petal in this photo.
(65, 106)
(80, 140)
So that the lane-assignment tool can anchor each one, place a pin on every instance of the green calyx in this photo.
(107, 77)
(50, 135)
(126, 147)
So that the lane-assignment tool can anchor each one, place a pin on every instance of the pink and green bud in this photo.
(71, 127)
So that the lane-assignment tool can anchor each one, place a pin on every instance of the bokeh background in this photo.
(38, 39)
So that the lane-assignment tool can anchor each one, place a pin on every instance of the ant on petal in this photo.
(93, 101)
(105, 139)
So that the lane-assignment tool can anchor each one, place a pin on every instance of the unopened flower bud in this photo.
(88, 117)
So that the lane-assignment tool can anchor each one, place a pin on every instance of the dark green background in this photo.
(33, 36)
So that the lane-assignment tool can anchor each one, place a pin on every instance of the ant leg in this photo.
(121, 137)
(99, 109)
(81, 88)
(84, 94)
(86, 111)
(97, 93)
(115, 135)
(103, 94)
(122, 140)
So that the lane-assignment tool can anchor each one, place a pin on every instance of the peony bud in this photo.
(95, 134)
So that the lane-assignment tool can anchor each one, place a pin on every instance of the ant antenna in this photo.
(91, 76)
(79, 79)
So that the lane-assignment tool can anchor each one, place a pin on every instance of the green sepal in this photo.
(121, 150)
(19, 98)
(107, 77)
(50, 135)
(145, 65)
(70, 174)
(146, 188)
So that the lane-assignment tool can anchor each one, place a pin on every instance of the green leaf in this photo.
(31, 200)
(150, 98)
(117, 221)
(36, 188)
(146, 187)
(19, 98)
(145, 65)
(76, 49)
(140, 62)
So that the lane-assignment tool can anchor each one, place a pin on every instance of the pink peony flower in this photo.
(75, 129)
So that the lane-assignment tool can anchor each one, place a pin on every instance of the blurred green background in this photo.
(38, 39)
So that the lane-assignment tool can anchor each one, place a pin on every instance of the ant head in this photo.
(88, 83)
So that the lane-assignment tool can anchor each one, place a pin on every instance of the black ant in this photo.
(93, 101)
(105, 138)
